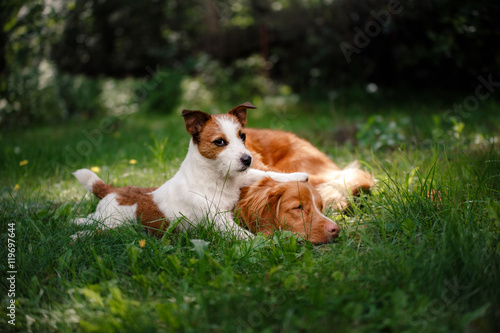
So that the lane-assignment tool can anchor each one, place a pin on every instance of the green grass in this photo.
(404, 262)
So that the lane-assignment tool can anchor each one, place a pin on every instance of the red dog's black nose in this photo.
(246, 160)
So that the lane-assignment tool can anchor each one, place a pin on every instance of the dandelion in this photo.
(16, 187)
(23, 162)
(132, 161)
(95, 169)
(142, 243)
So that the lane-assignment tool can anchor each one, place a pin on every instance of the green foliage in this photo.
(80, 95)
(41, 95)
(379, 132)
(42, 42)
(31, 96)
(244, 80)
(161, 93)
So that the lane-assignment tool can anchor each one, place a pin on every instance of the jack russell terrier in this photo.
(206, 187)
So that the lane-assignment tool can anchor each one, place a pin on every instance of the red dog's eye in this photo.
(299, 207)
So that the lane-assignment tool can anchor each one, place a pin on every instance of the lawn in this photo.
(420, 254)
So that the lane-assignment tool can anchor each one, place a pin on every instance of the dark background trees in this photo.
(427, 44)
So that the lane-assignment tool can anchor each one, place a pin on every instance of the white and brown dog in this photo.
(206, 187)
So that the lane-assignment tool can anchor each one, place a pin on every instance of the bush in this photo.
(378, 132)
(31, 97)
(40, 95)
(160, 93)
(244, 80)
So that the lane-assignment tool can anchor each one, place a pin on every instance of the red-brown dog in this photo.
(268, 206)
(284, 152)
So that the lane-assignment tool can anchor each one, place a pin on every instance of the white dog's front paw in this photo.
(289, 177)
(297, 177)
(301, 176)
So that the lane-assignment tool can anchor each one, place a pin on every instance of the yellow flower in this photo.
(142, 243)
(17, 187)
(132, 161)
(95, 169)
(23, 162)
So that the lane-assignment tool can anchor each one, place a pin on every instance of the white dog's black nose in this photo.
(246, 160)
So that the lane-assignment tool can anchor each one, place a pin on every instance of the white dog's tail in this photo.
(92, 183)
(87, 178)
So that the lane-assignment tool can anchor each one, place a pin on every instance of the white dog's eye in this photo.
(243, 137)
(220, 142)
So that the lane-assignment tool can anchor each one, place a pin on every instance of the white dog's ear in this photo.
(195, 121)
(240, 112)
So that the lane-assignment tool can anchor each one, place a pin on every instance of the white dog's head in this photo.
(221, 138)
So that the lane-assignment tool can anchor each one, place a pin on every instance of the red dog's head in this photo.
(269, 205)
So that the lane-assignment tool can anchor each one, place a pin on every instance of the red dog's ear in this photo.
(270, 192)
(267, 219)
(273, 202)
(195, 121)
(240, 112)
(258, 204)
